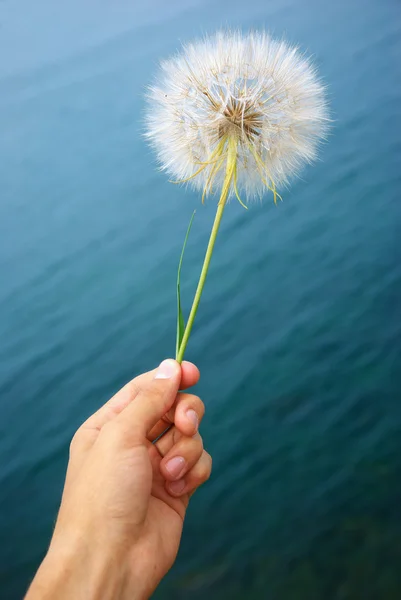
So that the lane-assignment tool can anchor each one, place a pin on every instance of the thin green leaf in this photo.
(180, 316)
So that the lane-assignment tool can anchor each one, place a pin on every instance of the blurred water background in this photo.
(299, 333)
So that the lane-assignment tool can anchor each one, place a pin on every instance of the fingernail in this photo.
(165, 370)
(177, 487)
(175, 466)
(193, 417)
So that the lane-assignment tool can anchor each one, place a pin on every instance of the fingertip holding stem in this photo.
(167, 369)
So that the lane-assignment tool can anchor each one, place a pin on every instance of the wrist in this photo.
(79, 569)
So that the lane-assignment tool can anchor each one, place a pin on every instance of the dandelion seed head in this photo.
(260, 93)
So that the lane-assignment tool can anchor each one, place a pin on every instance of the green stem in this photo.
(201, 283)
(231, 163)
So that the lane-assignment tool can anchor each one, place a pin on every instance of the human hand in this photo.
(125, 496)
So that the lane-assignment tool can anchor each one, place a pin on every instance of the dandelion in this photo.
(238, 114)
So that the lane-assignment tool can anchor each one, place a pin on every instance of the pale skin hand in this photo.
(122, 511)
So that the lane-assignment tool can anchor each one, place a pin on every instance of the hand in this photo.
(125, 495)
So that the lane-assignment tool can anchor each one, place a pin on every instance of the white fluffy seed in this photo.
(260, 91)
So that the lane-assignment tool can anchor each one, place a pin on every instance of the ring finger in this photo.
(181, 457)
(193, 479)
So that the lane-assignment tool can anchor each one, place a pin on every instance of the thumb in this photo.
(152, 402)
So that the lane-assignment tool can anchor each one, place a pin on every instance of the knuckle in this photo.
(199, 441)
(133, 387)
(200, 407)
(111, 432)
(192, 402)
(155, 393)
(76, 440)
(197, 403)
(203, 473)
(82, 440)
(205, 468)
(209, 461)
(115, 434)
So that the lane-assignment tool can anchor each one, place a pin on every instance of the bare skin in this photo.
(125, 498)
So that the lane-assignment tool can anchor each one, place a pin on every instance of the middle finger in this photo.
(186, 414)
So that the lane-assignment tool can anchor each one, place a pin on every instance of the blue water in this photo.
(299, 333)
